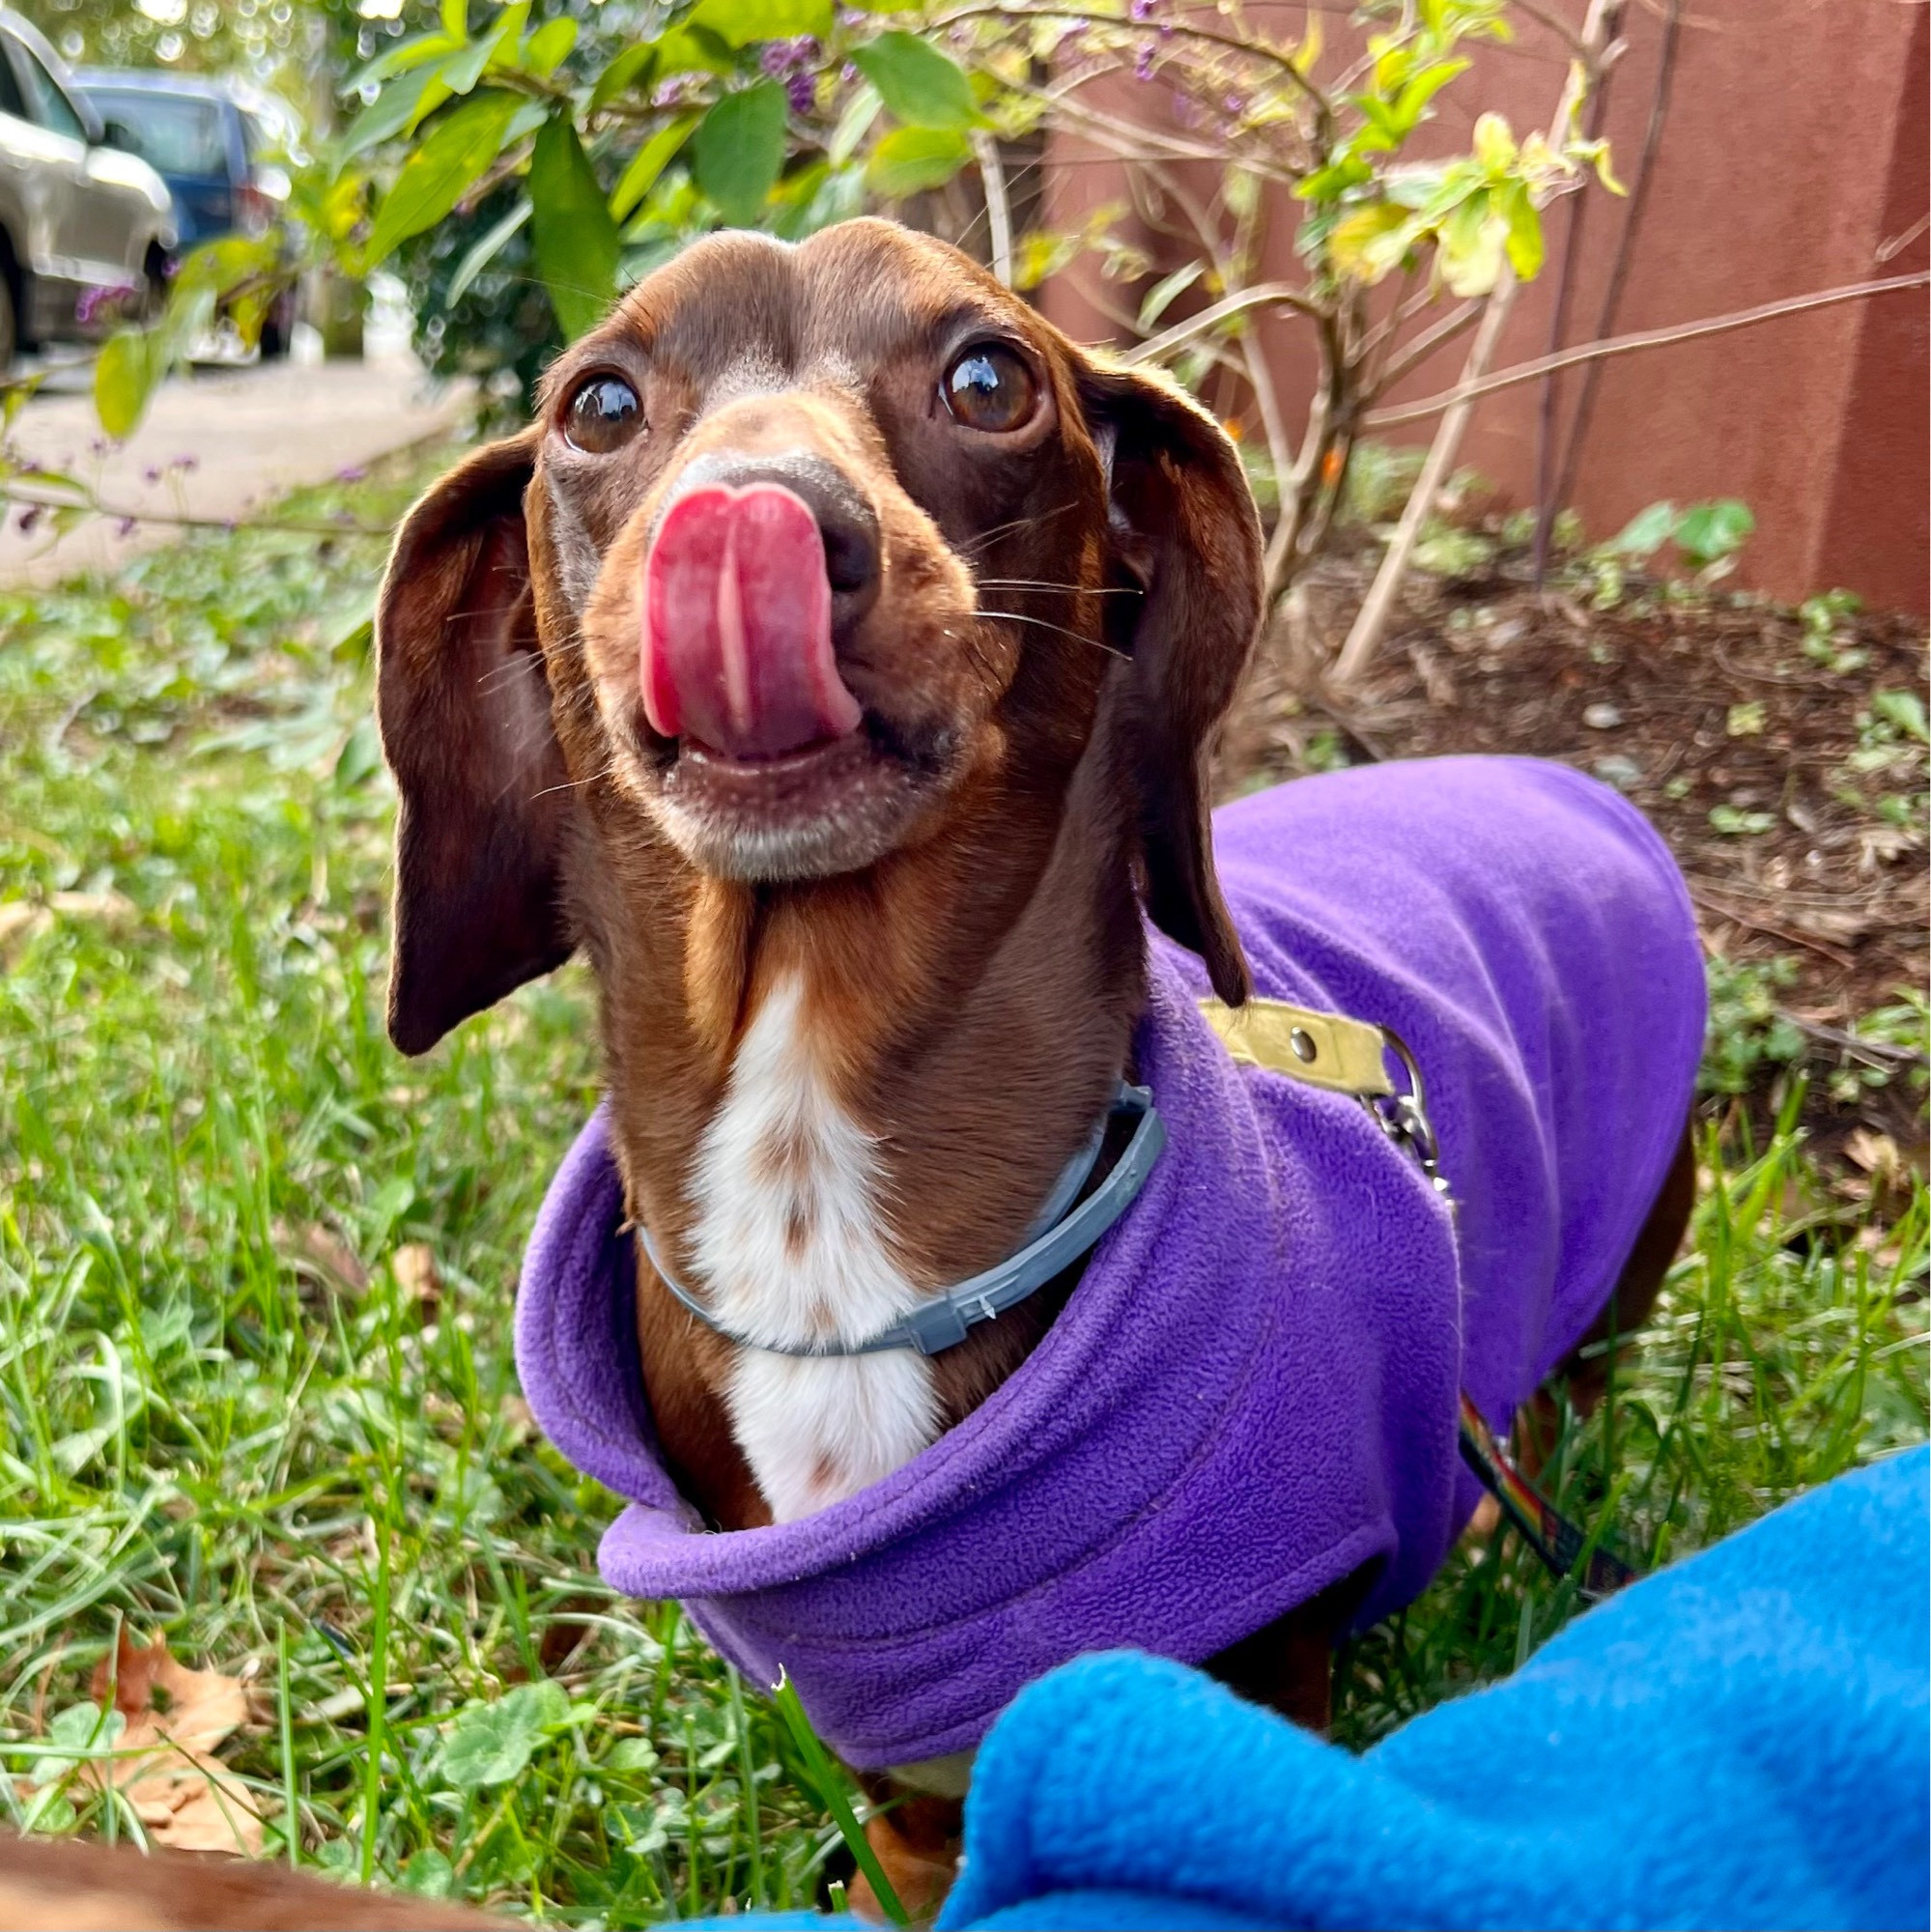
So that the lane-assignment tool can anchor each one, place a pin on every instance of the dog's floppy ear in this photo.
(464, 708)
(1185, 529)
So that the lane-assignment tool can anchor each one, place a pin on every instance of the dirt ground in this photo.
(1748, 736)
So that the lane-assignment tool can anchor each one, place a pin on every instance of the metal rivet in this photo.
(1302, 1042)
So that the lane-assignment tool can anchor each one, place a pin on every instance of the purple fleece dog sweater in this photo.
(1253, 1390)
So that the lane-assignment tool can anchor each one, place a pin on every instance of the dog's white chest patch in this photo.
(789, 1245)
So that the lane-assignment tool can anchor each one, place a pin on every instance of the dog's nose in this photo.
(847, 524)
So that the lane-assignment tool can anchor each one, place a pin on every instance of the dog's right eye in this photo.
(603, 415)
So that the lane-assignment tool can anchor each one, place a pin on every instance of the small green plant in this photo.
(1706, 537)
(1826, 634)
(1747, 1036)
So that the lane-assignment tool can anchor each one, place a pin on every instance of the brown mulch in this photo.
(1689, 705)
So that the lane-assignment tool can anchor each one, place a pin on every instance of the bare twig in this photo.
(1647, 339)
(1598, 29)
(998, 210)
(1414, 353)
(1373, 616)
(1255, 50)
(1612, 294)
(1263, 295)
(168, 520)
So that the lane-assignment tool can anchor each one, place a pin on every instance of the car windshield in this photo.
(176, 132)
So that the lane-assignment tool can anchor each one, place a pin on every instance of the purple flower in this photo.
(1142, 10)
(1143, 62)
(801, 91)
(783, 58)
(1234, 103)
(185, 462)
(126, 528)
(28, 518)
(151, 474)
(354, 474)
(99, 448)
(93, 301)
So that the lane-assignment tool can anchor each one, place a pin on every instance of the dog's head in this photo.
(809, 550)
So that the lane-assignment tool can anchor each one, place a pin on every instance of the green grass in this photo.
(231, 1415)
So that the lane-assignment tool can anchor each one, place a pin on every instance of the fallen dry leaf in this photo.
(323, 1254)
(1875, 1153)
(413, 1265)
(23, 919)
(165, 1765)
(110, 908)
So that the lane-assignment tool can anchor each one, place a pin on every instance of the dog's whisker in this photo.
(577, 785)
(1048, 584)
(984, 537)
(1078, 638)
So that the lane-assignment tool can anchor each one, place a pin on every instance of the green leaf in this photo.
(910, 160)
(575, 240)
(483, 253)
(921, 85)
(1422, 88)
(685, 51)
(550, 47)
(457, 152)
(1494, 147)
(492, 1743)
(739, 149)
(631, 67)
(462, 72)
(1363, 243)
(740, 22)
(1163, 293)
(125, 376)
(1471, 243)
(1516, 206)
(1645, 533)
(399, 59)
(394, 108)
(456, 20)
(648, 163)
(1331, 182)
(854, 124)
(1708, 531)
(1905, 710)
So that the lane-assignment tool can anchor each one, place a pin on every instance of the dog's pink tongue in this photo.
(737, 625)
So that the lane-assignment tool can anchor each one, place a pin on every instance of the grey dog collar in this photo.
(1054, 1238)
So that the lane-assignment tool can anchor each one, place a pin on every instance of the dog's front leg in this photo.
(915, 1836)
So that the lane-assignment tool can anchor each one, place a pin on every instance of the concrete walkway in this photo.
(217, 443)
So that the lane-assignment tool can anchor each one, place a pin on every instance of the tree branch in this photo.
(997, 210)
(1598, 29)
(1648, 338)
(1263, 295)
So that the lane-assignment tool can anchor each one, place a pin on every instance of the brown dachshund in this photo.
(835, 661)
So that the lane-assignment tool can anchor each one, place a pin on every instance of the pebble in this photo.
(1624, 774)
(1602, 718)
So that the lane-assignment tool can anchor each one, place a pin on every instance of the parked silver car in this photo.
(77, 216)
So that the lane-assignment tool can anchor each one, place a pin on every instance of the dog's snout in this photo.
(847, 522)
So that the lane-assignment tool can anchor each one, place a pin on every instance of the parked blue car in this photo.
(218, 143)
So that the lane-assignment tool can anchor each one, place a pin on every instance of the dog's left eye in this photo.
(603, 415)
(988, 388)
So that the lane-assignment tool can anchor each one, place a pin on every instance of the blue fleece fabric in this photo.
(1740, 1741)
